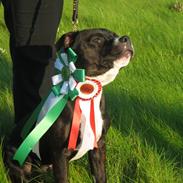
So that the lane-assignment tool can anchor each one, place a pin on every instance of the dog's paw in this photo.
(46, 168)
(16, 173)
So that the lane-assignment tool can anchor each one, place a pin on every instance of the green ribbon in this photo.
(32, 120)
(56, 89)
(79, 75)
(48, 120)
(35, 135)
(72, 56)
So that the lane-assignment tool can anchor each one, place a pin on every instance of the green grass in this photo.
(145, 102)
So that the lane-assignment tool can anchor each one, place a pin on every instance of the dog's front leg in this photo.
(97, 159)
(60, 167)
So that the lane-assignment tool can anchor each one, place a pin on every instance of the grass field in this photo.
(145, 102)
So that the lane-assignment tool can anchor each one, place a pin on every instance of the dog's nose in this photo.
(124, 39)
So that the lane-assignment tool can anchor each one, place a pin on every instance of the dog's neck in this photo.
(111, 74)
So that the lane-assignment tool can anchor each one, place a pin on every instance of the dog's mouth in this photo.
(123, 59)
(126, 54)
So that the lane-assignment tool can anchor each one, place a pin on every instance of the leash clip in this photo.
(75, 25)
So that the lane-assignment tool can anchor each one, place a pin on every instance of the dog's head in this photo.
(101, 53)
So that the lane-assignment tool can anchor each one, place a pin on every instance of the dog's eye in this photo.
(97, 40)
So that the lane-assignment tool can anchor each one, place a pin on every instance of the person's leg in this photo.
(33, 29)
(32, 25)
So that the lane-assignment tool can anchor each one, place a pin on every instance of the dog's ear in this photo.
(66, 40)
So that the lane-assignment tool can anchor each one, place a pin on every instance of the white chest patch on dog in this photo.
(111, 74)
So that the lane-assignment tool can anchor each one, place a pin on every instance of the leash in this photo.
(75, 15)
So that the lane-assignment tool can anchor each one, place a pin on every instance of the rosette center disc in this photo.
(87, 88)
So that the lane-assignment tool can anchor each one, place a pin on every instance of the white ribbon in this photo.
(64, 58)
(65, 88)
(72, 67)
(58, 65)
(72, 83)
(57, 79)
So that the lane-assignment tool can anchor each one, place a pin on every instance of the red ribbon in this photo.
(74, 133)
(75, 126)
(92, 121)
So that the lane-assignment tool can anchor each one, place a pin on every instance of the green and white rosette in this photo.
(63, 89)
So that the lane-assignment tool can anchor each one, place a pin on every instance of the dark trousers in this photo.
(32, 25)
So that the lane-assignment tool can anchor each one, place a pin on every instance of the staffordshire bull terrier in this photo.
(102, 54)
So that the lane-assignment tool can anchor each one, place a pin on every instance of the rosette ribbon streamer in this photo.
(64, 88)
(87, 119)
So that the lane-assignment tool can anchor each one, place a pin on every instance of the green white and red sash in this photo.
(68, 84)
